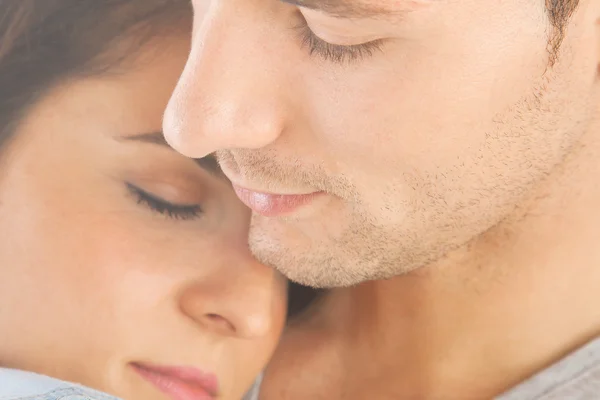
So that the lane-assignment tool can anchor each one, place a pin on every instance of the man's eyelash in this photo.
(166, 208)
(335, 52)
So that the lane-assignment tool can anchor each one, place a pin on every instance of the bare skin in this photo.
(457, 169)
(468, 327)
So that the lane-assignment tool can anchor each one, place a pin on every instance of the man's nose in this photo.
(245, 304)
(229, 95)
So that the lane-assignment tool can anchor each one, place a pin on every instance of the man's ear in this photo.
(560, 14)
(595, 22)
(582, 29)
(591, 11)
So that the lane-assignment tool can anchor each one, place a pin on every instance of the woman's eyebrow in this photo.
(208, 163)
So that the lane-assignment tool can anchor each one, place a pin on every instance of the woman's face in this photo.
(124, 264)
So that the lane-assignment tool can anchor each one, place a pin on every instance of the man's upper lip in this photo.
(276, 191)
(269, 188)
(207, 381)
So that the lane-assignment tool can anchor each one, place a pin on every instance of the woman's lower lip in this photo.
(179, 383)
(273, 205)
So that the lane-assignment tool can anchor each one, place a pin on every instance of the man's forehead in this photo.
(353, 8)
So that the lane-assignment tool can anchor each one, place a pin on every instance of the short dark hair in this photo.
(43, 42)
(559, 12)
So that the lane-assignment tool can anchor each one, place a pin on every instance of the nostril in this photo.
(220, 322)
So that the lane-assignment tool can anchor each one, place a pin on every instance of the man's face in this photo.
(414, 130)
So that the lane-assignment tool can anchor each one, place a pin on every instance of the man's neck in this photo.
(490, 314)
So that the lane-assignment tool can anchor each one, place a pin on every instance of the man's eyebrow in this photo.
(345, 8)
(208, 163)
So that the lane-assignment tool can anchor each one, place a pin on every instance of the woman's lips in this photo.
(180, 383)
(272, 204)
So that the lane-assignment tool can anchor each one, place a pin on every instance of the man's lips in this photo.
(180, 383)
(272, 204)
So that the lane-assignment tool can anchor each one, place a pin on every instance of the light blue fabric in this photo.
(254, 391)
(20, 385)
(575, 377)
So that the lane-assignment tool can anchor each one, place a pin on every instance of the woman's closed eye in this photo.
(161, 206)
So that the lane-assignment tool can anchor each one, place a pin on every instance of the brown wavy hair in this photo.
(43, 42)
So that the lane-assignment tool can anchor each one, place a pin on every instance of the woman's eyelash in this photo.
(335, 52)
(168, 209)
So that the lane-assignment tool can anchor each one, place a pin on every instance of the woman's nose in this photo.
(244, 300)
